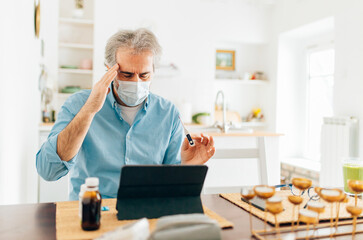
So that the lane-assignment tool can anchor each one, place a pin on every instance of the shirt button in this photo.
(128, 137)
(127, 159)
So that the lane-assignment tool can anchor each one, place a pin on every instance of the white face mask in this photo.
(133, 93)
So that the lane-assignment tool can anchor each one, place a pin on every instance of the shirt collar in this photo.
(147, 102)
(112, 100)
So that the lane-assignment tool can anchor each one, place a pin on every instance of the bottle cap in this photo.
(83, 188)
(92, 182)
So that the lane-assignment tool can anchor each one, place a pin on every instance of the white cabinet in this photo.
(51, 191)
(68, 48)
(68, 60)
(75, 50)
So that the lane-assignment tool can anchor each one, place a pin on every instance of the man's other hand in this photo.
(200, 153)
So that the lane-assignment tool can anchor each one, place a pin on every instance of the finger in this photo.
(211, 152)
(115, 66)
(196, 137)
(185, 145)
(211, 142)
(109, 79)
(112, 70)
(205, 139)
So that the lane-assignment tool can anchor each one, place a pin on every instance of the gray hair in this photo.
(139, 40)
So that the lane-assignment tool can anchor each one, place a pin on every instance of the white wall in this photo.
(348, 97)
(291, 14)
(347, 35)
(19, 103)
(292, 81)
(189, 32)
(291, 87)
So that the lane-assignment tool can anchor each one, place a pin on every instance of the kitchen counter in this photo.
(195, 128)
(205, 129)
(240, 134)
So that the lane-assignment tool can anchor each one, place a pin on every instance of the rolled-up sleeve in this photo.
(49, 165)
(172, 154)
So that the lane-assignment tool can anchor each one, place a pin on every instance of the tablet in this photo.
(153, 191)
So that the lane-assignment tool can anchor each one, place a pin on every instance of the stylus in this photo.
(190, 139)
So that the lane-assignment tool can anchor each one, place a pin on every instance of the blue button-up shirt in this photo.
(155, 137)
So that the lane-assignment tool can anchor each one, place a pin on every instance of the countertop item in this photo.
(86, 64)
(69, 66)
(231, 116)
(286, 216)
(71, 89)
(201, 118)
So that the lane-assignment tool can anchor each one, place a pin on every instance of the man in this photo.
(119, 122)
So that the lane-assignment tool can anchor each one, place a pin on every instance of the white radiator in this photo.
(339, 140)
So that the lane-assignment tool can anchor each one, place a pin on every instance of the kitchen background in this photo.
(275, 37)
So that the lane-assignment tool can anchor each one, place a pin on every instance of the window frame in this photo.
(309, 51)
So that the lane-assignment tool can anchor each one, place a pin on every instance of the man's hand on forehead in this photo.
(101, 89)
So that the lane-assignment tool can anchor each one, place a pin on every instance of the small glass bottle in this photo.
(91, 205)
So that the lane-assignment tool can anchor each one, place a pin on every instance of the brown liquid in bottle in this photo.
(91, 210)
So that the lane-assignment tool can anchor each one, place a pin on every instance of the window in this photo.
(320, 72)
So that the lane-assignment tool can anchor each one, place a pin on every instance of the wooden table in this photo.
(37, 221)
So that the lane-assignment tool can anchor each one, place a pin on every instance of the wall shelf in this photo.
(76, 45)
(64, 95)
(75, 71)
(46, 127)
(77, 21)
